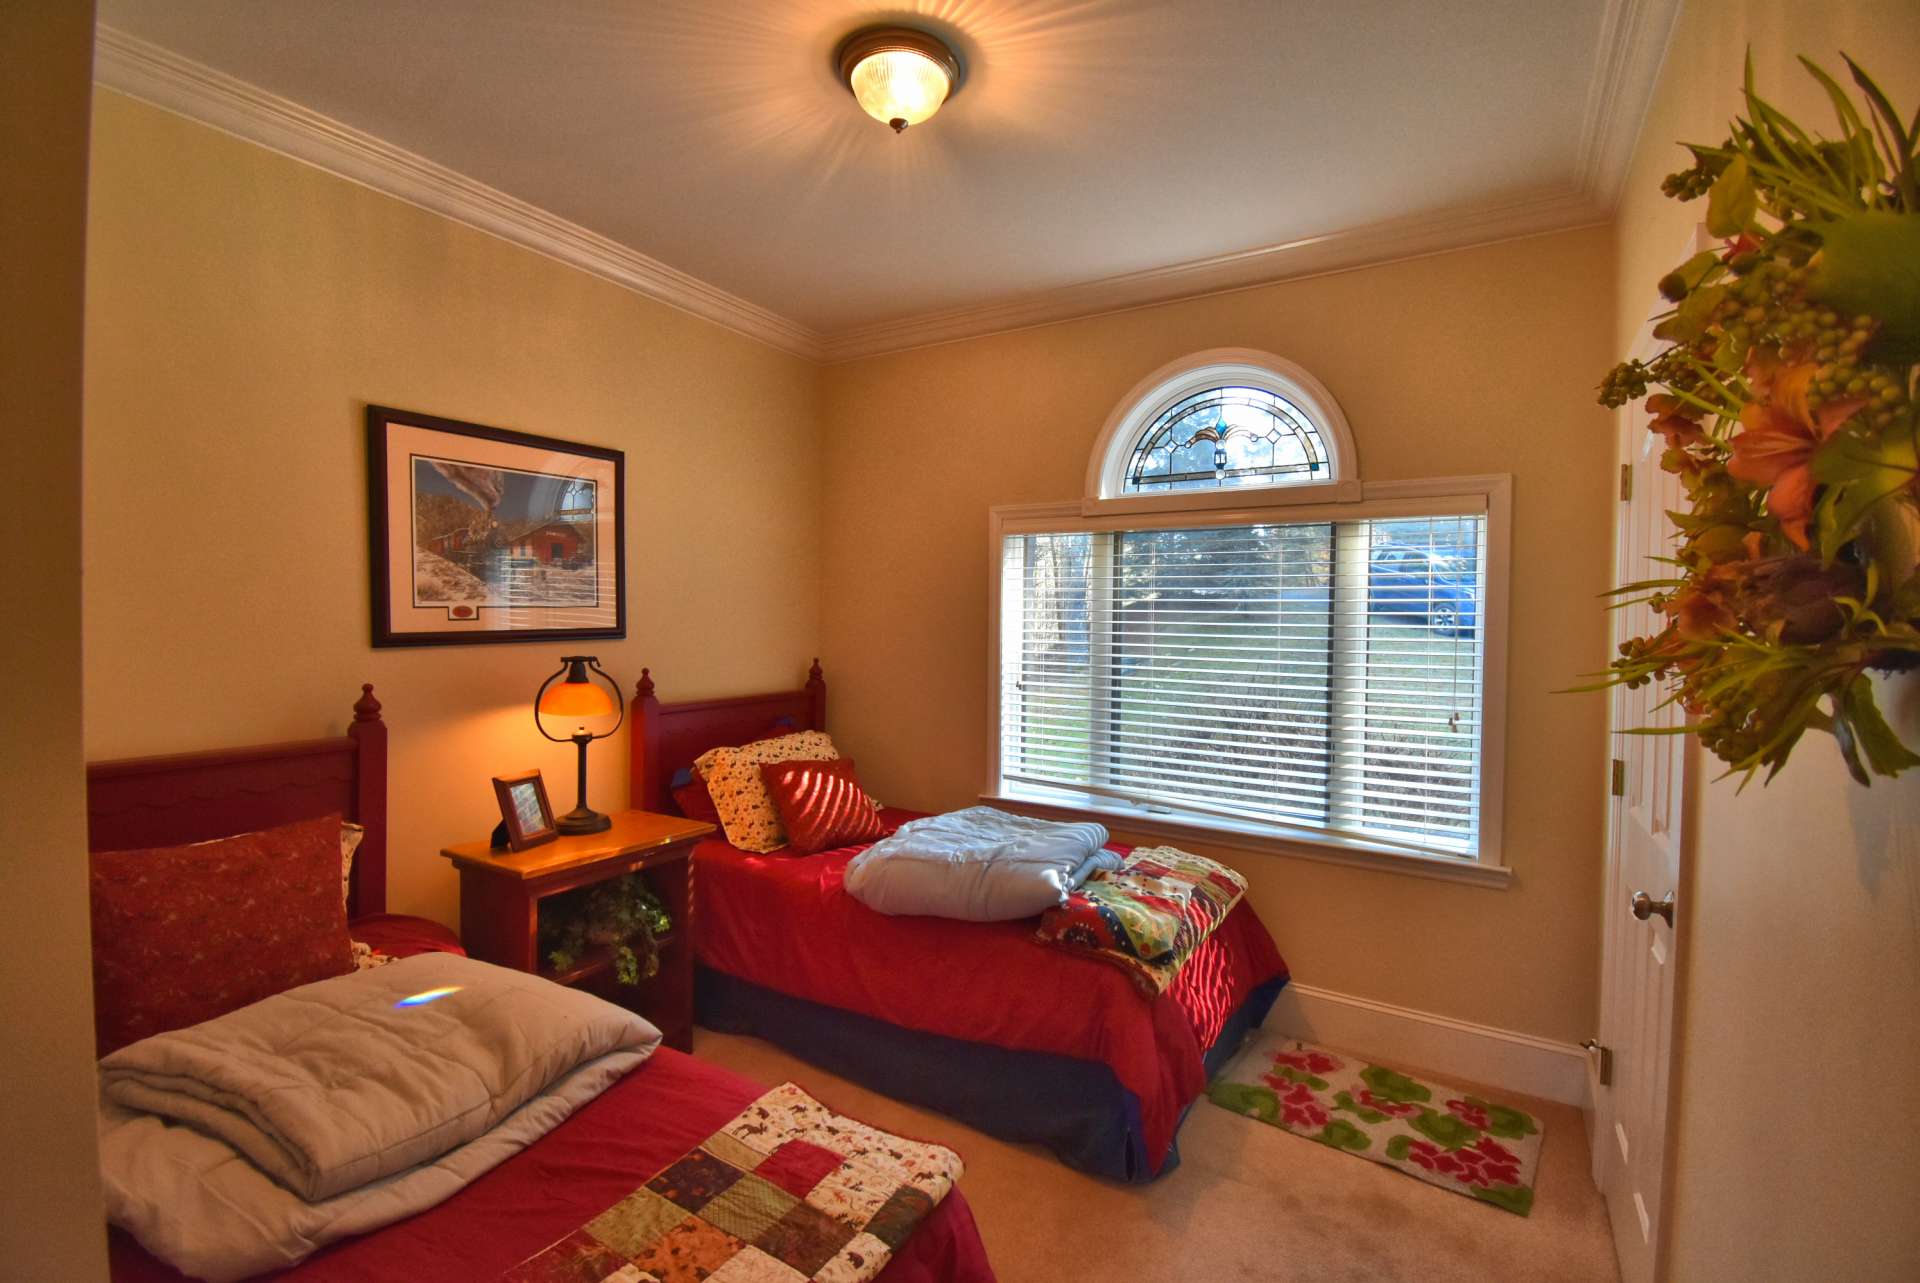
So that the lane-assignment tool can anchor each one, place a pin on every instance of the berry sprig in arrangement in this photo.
(1786, 404)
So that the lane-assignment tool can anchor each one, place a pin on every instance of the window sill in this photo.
(1258, 839)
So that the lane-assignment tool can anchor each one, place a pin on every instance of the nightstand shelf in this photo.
(601, 960)
(501, 891)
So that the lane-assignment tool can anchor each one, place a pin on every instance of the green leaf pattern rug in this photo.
(1444, 1135)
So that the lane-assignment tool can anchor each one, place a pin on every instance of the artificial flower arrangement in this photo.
(1786, 400)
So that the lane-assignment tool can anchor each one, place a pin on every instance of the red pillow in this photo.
(182, 934)
(695, 802)
(821, 804)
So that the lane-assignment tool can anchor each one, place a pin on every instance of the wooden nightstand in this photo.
(500, 894)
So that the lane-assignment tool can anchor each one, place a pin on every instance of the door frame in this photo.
(1633, 440)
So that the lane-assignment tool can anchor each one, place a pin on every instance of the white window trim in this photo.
(1173, 382)
(1488, 494)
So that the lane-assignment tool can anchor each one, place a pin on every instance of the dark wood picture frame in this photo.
(471, 621)
(513, 833)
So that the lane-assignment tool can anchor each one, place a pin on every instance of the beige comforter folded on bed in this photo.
(339, 1107)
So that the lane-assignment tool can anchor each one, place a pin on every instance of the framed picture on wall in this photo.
(480, 534)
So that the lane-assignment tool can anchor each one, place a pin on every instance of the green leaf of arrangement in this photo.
(1901, 138)
(1689, 320)
(1697, 269)
(1860, 472)
(1869, 263)
(1731, 202)
(1885, 754)
(1642, 586)
(1863, 165)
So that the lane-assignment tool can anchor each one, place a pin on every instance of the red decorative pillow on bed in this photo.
(821, 804)
(695, 802)
(182, 934)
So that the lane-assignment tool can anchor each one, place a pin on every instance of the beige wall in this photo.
(50, 1212)
(1796, 1144)
(241, 310)
(1477, 361)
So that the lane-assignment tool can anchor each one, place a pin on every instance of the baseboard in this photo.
(1479, 1054)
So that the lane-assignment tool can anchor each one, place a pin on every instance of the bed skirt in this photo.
(1076, 1108)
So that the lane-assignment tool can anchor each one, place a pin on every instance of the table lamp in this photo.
(572, 693)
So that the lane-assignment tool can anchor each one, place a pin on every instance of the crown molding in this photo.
(1413, 237)
(155, 75)
(1634, 35)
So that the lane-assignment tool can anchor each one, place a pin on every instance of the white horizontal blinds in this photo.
(1408, 729)
(1219, 682)
(1046, 669)
(1305, 674)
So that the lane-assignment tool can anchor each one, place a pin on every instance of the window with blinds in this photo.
(1325, 675)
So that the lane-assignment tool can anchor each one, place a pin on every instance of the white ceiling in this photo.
(1090, 139)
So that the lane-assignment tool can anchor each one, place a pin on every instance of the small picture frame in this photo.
(526, 817)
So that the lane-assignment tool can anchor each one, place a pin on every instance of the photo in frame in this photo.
(482, 534)
(526, 817)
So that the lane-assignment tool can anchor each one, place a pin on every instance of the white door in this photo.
(1644, 856)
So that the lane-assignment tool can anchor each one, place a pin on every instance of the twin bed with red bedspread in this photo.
(635, 1128)
(977, 1020)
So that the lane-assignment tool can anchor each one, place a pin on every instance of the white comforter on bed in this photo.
(978, 864)
(245, 1143)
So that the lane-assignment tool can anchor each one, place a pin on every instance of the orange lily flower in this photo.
(1675, 420)
(1699, 616)
(1776, 446)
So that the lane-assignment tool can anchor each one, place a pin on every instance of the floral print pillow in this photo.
(351, 835)
(732, 776)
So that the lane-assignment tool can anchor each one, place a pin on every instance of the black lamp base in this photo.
(581, 820)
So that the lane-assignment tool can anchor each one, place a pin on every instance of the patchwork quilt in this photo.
(1148, 916)
(787, 1192)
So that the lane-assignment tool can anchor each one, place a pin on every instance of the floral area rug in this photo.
(1444, 1135)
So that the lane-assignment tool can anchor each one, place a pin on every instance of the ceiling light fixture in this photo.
(898, 75)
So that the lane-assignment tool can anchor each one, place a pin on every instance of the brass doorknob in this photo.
(1645, 906)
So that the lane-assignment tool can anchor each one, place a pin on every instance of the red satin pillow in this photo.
(821, 804)
(695, 802)
(182, 934)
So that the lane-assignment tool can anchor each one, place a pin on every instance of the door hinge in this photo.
(1626, 482)
(1605, 1056)
(1619, 778)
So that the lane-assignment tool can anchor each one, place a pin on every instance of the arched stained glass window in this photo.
(1227, 436)
(1225, 428)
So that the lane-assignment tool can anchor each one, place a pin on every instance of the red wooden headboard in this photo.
(190, 797)
(667, 737)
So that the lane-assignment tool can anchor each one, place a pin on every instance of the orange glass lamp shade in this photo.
(576, 697)
(573, 693)
(898, 75)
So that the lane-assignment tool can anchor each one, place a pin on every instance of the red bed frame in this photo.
(667, 737)
(192, 797)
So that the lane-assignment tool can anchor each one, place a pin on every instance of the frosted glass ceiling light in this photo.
(898, 75)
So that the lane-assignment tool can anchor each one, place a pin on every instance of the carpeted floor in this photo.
(1248, 1203)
